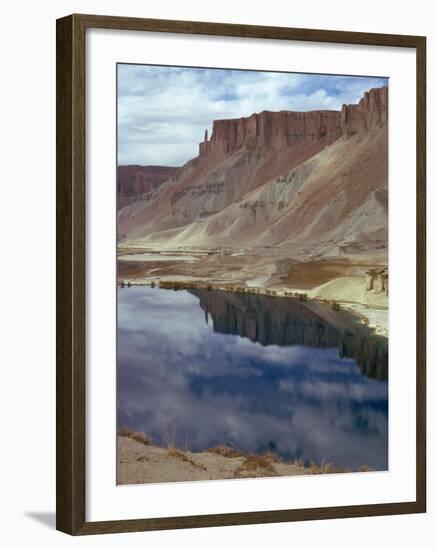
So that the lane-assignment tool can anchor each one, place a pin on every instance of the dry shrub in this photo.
(141, 437)
(224, 450)
(299, 463)
(324, 468)
(172, 452)
(255, 466)
(271, 456)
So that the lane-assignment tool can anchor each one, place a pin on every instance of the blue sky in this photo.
(163, 111)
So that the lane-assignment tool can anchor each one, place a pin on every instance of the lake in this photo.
(199, 368)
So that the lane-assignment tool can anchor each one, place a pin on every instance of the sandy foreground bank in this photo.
(139, 461)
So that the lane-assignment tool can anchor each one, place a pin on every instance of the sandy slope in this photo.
(334, 202)
(351, 289)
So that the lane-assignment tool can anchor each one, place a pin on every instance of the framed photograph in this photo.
(240, 274)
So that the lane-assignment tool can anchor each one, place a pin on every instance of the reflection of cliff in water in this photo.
(286, 322)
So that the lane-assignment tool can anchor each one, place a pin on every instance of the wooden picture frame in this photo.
(71, 254)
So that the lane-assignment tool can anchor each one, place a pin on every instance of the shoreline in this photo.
(139, 460)
(375, 317)
(357, 283)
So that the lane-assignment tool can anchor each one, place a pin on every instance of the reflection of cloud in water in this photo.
(179, 381)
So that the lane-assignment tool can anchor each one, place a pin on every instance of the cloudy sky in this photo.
(163, 111)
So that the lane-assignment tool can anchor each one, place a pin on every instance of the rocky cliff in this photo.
(269, 129)
(370, 112)
(278, 179)
(134, 181)
(288, 128)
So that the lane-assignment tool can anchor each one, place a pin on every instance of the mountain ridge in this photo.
(271, 154)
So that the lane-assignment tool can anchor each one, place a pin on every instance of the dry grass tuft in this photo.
(136, 436)
(323, 468)
(271, 456)
(256, 466)
(172, 452)
(224, 450)
(299, 463)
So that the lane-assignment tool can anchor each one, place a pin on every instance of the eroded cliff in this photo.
(134, 181)
(277, 179)
(270, 129)
(287, 128)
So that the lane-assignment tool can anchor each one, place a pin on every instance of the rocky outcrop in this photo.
(370, 112)
(134, 181)
(377, 280)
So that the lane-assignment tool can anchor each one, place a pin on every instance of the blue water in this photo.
(198, 369)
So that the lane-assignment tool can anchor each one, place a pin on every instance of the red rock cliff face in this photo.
(370, 112)
(270, 130)
(133, 181)
(287, 128)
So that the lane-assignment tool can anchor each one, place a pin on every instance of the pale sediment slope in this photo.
(332, 204)
(352, 289)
